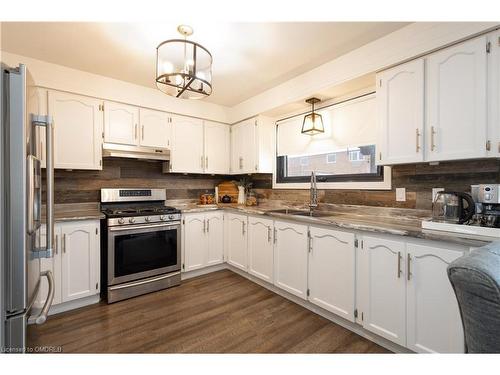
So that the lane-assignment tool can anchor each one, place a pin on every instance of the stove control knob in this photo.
(131, 220)
(148, 219)
(163, 218)
(171, 217)
(121, 220)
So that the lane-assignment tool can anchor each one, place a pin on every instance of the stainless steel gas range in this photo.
(141, 243)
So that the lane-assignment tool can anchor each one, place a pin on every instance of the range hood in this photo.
(135, 152)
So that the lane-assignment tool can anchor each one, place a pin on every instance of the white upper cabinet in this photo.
(494, 95)
(384, 288)
(80, 259)
(236, 240)
(252, 145)
(260, 248)
(243, 147)
(400, 104)
(456, 120)
(155, 128)
(121, 124)
(290, 258)
(434, 323)
(187, 145)
(215, 240)
(332, 271)
(217, 147)
(77, 130)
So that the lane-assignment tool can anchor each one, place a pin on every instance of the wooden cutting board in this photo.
(228, 188)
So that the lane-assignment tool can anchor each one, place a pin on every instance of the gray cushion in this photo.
(476, 280)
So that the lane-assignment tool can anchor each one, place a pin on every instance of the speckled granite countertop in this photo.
(395, 221)
(75, 211)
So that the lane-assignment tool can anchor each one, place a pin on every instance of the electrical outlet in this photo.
(435, 191)
(400, 194)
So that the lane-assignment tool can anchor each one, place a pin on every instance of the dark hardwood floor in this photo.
(221, 312)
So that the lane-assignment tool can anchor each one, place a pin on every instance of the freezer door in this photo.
(15, 333)
(22, 269)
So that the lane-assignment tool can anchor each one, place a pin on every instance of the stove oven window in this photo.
(140, 252)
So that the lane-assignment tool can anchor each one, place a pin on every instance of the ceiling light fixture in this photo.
(313, 122)
(183, 67)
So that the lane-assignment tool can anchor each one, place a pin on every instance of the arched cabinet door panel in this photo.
(236, 240)
(332, 271)
(194, 242)
(260, 248)
(434, 323)
(80, 259)
(290, 258)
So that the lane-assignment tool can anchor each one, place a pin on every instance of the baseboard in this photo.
(66, 306)
(203, 271)
(356, 328)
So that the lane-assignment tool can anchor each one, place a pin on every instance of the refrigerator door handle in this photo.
(42, 317)
(34, 193)
(46, 121)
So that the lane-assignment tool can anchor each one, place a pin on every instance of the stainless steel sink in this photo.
(293, 212)
(288, 211)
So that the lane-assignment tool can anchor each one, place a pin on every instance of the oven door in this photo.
(139, 251)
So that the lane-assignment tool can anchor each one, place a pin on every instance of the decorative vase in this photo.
(241, 195)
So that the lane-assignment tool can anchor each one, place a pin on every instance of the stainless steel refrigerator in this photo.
(21, 209)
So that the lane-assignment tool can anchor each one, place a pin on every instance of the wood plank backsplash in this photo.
(78, 186)
(418, 179)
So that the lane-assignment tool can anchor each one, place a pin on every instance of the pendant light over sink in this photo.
(313, 122)
(183, 67)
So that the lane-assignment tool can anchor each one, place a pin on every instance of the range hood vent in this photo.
(135, 152)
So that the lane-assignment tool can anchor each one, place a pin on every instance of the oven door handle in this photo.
(131, 227)
(142, 282)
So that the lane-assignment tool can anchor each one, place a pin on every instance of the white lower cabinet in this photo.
(215, 241)
(203, 240)
(433, 317)
(407, 297)
(332, 266)
(260, 248)
(290, 258)
(236, 240)
(76, 262)
(384, 288)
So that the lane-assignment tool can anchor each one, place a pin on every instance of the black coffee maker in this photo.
(487, 199)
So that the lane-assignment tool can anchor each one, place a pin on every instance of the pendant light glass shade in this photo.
(184, 68)
(313, 122)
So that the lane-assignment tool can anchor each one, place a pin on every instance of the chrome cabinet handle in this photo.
(135, 131)
(201, 162)
(399, 264)
(142, 132)
(204, 226)
(55, 244)
(40, 319)
(433, 133)
(269, 234)
(208, 225)
(417, 140)
(408, 266)
(275, 236)
(243, 228)
(64, 243)
(241, 162)
(206, 162)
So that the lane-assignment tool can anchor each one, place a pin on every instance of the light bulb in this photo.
(179, 80)
(201, 75)
(168, 67)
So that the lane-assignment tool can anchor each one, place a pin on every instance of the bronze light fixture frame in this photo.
(187, 78)
(314, 118)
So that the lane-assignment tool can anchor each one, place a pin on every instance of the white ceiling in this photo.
(248, 58)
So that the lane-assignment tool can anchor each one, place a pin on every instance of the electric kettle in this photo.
(453, 207)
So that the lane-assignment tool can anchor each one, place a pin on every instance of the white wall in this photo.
(66, 79)
(411, 41)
